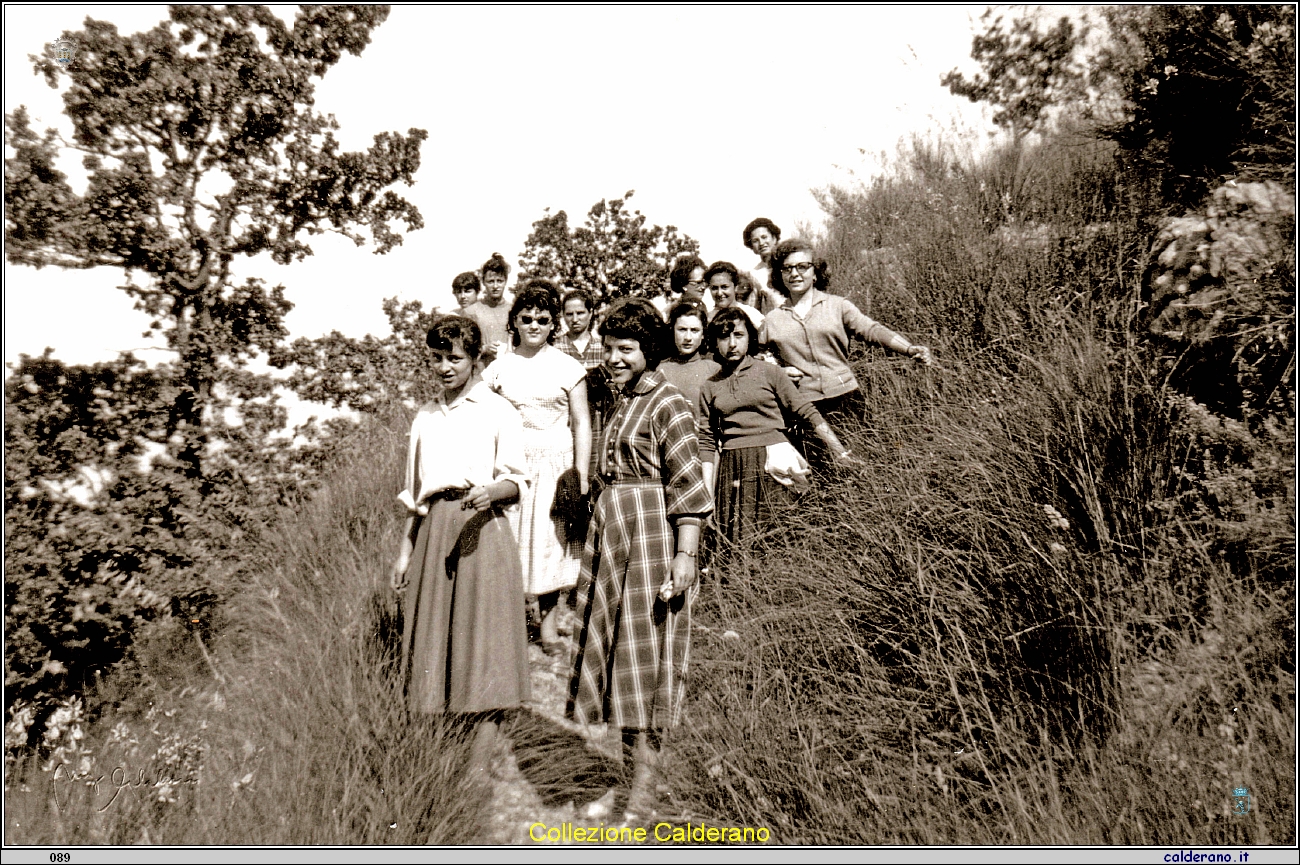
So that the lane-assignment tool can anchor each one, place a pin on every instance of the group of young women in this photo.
(511, 494)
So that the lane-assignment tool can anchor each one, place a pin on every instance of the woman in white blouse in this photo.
(464, 642)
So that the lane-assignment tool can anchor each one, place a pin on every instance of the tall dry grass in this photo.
(293, 717)
(1034, 618)
(1008, 629)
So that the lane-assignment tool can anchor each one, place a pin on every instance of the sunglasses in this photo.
(541, 320)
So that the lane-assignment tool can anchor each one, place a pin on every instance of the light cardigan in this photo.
(475, 440)
(818, 344)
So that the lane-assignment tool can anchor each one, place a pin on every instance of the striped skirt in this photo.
(464, 640)
(633, 648)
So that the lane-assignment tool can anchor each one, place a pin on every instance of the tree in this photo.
(1207, 92)
(369, 374)
(1026, 70)
(203, 146)
(131, 492)
(612, 254)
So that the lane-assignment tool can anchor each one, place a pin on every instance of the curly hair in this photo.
(787, 248)
(495, 264)
(455, 328)
(636, 318)
(724, 323)
(682, 270)
(761, 222)
(537, 294)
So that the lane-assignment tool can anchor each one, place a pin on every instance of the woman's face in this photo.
(733, 347)
(797, 273)
(761, 241)
(453, 366)
(494, 286)
(576, 316)
(695, 288)
(624, 360)
(466, 295)
(688, 334)
(534, 327)
(723, 290)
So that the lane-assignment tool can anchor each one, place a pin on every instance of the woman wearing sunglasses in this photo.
(810, 332)
(549, 390)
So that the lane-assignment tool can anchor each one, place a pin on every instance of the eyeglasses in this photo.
(801, 268)
(541, 320)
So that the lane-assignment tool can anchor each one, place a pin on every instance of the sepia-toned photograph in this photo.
(650, 428)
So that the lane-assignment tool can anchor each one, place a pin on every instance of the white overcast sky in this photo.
(713, 115)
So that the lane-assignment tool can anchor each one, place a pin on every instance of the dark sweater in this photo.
(744, 409)
(689, 377)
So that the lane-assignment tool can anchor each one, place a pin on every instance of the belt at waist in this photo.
(447, 495)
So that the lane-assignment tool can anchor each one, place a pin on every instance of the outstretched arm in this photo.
(870, 330)
(843, 456)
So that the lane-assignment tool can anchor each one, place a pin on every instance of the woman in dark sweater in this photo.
(742, 411)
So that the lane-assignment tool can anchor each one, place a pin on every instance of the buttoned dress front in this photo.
(464, 640)
(634, 647)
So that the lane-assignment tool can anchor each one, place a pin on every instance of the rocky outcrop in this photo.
(1220, 291)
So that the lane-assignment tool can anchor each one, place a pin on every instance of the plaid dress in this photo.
(633, 650)
(590, 358)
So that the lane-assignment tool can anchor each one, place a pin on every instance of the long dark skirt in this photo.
(747, 496)
(465, 642)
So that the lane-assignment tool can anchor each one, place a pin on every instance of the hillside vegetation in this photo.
(1058, 607)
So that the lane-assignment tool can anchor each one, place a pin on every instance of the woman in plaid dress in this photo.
(638, 570)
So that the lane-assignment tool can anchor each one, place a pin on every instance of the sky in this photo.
(714, 115)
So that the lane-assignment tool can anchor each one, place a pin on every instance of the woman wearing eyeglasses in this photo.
(810, 332)
(548, 389)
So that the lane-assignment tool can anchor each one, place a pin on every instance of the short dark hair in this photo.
(455, 328)
(495, 264)
(688, 306)
(682, 270)
(537, 294)
(787, 248)
(724, 323)
(723, 267)
(636, 318)
(761, 222)
(581, 294)
(468, 279)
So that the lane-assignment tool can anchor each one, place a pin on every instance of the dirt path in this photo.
(526, 787)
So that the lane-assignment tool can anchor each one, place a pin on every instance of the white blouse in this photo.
(475, 440)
